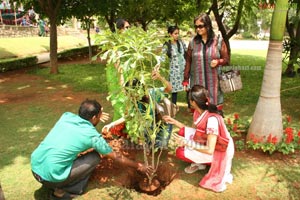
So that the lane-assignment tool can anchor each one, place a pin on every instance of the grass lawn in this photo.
(32, 102)
(19, 47)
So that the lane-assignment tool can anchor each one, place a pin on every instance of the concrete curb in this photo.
(43, 58)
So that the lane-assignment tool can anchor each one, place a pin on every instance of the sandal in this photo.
(194, 167)
(66, 196)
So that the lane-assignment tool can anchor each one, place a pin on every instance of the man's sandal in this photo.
(66, 196)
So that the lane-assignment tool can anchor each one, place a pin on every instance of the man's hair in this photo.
(89, 108)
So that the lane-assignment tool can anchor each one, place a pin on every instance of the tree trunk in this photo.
(267, 118)
(53, 47)
(144, 25)
(51, 9)
(1, 193)
(88, 29)
(294, 51)
(227, 35)
(111, 22)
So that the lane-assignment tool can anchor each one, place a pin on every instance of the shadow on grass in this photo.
(42, 193)
(289, 177)
(6, 54)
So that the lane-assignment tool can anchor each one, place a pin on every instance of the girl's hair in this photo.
(200, 95)
(120, 23)
(171, 30)
(208, 25)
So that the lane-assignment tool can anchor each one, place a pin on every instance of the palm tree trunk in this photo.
(267, 118)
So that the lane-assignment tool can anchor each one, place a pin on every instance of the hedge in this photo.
(19, 63)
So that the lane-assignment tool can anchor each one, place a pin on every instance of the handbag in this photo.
(166, 107)
(201, 137)
(230, 81)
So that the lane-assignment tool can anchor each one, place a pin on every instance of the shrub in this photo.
(76, 52)
(289, 143)
(13, 64)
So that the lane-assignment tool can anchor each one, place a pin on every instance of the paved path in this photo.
(234, 44)
(43, 58)
(249, 44)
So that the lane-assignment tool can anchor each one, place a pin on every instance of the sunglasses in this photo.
(127, 27)
(200, 26)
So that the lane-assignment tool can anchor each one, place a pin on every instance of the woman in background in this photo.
(206, 53)
(175, 49)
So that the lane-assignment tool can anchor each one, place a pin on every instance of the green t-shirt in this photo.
(71, 135)
(156, 94)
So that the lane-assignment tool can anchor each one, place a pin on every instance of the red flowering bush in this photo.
(237, 125)
(289, 143)
(257, 143)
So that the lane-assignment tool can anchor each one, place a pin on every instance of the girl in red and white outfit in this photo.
(208, 121)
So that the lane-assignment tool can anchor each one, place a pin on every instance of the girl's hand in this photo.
(178, 140)
(169, 119)
(106, 128)
(185, 88)
(156, 75)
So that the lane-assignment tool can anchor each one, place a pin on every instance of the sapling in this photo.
(135, 53)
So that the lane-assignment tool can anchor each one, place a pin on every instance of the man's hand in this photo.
(104, 117)
(148, 170)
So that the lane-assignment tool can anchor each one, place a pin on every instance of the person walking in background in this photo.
(175, 49)
(206, 53)
(47, 30)
(209, 126)
(41, 24)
